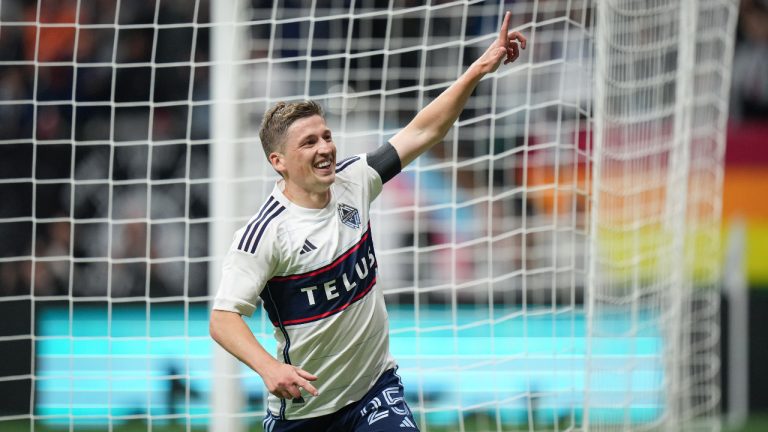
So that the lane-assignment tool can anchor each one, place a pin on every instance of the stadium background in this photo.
(744, 201)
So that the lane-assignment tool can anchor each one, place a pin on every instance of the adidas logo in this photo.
(308, 247)
(407, 423)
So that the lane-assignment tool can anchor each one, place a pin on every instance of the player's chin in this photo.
(326, 176)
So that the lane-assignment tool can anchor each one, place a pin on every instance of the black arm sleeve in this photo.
(385, 161)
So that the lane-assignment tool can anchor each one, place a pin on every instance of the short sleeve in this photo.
(373, 178)
(356, 169)
(244, 276)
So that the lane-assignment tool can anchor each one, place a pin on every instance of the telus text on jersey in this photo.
(347, 282)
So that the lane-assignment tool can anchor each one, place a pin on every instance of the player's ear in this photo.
(276, 160)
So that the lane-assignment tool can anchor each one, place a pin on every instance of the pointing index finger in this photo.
(505, 28)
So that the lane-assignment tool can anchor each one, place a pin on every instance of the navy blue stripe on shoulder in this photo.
(269, 212)
(254, 221)
(346, 162)
(264, 227)
(248, 236)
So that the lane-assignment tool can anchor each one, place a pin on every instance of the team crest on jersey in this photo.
(349, 216)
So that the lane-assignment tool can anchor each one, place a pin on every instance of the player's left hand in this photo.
(506, 47)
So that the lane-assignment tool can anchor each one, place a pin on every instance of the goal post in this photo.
(228, 45)
(661, 92)
(552, 264)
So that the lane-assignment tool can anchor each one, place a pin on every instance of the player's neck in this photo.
(307, 199)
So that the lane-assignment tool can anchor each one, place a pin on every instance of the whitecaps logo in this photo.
(349, 216)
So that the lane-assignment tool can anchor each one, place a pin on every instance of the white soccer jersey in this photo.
(315, 271)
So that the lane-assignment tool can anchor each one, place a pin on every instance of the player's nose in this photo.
(325, 146)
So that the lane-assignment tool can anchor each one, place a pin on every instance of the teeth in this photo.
(325, 164)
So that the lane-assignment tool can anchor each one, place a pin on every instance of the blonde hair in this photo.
(279, 118)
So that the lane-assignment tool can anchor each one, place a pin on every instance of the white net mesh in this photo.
(130, 154)
(660, 115)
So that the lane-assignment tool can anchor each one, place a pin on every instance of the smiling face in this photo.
(307, 161)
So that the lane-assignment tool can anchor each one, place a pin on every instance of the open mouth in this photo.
(323, 165)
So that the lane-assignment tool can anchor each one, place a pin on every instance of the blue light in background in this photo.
(152, 361)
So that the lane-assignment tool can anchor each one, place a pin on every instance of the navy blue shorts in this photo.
(382, 409)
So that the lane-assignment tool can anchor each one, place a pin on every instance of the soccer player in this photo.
(309, 255)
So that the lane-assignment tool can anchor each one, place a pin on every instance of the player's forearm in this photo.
(438, 117)
(230, 331)
(432, 123)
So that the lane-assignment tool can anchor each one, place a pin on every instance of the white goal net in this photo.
(551, 265)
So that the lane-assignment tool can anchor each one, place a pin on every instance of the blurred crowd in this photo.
(134, 102)
(128, 101)
(749, 94)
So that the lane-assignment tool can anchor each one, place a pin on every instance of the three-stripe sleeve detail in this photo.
(255, 229)
(346, 162)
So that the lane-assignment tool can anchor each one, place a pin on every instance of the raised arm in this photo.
(432, 123)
